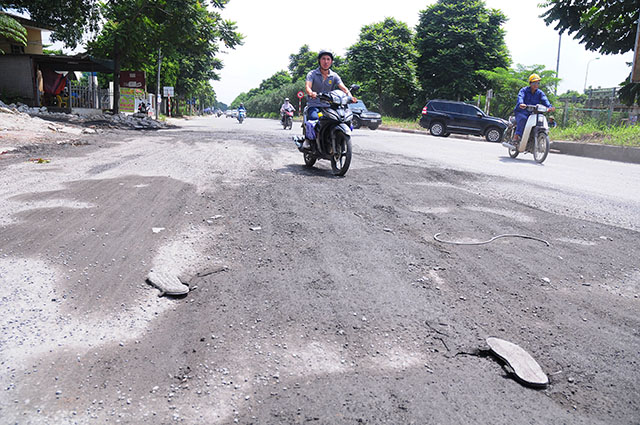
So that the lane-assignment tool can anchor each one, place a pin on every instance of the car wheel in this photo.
(493, 135)
(437, 129)
(374, 126)
(356, 122)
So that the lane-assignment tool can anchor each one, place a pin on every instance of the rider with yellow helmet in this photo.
(531, 95)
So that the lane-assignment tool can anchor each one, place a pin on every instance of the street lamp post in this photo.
(587, 73)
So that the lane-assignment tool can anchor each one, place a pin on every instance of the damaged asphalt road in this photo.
(311, 298)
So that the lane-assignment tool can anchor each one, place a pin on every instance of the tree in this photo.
(72, 19)
(506, 83)
(454, 39)
(185, 31)
(12, 30)
(606, 26)
(278, 79)
(383, 63)
(302, 62)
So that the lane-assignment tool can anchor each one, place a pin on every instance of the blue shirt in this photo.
(320, 85)
(536, 98)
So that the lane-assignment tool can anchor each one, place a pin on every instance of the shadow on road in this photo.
(508, 159)
(303, 170)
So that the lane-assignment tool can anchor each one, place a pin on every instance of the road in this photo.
(313, 298)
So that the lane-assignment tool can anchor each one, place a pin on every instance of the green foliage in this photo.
(630, 92)
(47, 51)
(70, 18)
(277, 80)
(506, 83)
(454, 39)
(573, 96)
(186, 32)
(306, 60)
(12, 30)
(302, 62)
(269, 102)
(607, 26)
(406, 123)
(593, 132)
(382, 62)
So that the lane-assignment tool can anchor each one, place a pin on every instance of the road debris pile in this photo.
(105, 120)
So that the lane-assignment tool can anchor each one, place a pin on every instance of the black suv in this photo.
(443, 117)
(362, 116)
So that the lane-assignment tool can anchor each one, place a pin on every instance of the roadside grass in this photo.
(594, 133)
(401, 123)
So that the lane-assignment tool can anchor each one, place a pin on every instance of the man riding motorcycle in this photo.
(531, 95)
(320, 80)
(286, 107)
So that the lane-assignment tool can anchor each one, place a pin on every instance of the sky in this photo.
(275, 29)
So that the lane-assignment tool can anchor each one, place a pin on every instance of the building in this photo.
(35, 79)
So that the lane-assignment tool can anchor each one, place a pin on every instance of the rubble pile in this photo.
(135, 121)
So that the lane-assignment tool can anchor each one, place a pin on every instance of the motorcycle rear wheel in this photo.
(541, 148)
(513, 152)
(341, 160)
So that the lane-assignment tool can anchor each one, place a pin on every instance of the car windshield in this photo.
(358, 105)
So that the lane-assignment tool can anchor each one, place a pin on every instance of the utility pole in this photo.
(158, 94)
(558, 64)
(635, 70)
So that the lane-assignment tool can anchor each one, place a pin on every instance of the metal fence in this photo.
(84, 96)
(600, 106)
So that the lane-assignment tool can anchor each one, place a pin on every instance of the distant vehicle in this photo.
(286, 119)
(363, 117)
(443, 117)
(231, 113)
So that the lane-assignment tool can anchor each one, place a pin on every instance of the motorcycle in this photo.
(286, 119)
(330, 136)
(241, 116)
(535, 137)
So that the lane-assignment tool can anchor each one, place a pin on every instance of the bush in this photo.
(594, 132)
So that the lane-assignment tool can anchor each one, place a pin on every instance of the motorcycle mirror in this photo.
(354, 88)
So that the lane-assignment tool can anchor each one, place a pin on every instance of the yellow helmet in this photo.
(533, 78)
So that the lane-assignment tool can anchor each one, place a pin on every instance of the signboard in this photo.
(130, 99)
(132, 79)
(167, 91)
(300, 95)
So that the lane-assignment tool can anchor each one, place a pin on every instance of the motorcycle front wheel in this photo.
(341, 160)
(309, 159)
(541, 147)
(289, 123)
